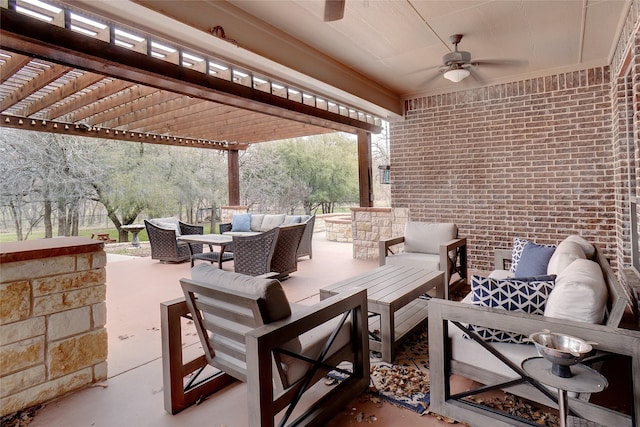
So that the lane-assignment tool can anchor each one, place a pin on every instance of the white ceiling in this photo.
(389, 42)
(384, 51)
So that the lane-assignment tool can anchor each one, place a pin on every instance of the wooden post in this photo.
(364, 169)
(233, 166)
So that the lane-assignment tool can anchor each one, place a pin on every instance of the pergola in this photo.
(70, 72)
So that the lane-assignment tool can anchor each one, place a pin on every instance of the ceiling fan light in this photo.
(457, 75)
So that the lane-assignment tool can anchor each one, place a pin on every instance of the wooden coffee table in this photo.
(393, 293)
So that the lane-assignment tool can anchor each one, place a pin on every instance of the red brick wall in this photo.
(530, 159)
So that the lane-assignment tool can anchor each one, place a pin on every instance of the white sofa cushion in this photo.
(567, 252)
(256, 221)
(271, 221)
(580, 293)
(426, 237)
(427, 262)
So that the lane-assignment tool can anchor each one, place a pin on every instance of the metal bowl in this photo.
(561, 350)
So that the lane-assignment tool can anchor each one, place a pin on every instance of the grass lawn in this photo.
(113, 233)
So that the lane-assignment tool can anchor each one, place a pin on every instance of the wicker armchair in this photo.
(252, 254)
(285, 258)
(305, 248)
(165, 247)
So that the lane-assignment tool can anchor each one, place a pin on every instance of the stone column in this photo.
(369, 225)
(53, 314)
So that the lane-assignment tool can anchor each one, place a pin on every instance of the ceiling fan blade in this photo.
(434, 76)
(500, 62)
(476, 75)
(333, 10)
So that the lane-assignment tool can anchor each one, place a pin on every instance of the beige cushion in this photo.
(312, 343)
(256, 222)
(427, 262)
(168, 223)
(271, 221)
(501, 274)
(566, 252)
(580, 293)
(588, 248)
(426, 237)
(276, 306)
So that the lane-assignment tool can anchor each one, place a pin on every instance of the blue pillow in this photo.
(241, 222)
(534, 260)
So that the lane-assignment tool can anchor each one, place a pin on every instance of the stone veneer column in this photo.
(370, 225)
(226, 212)
(53, 314)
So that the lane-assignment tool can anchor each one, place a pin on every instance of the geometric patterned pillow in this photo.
(527, 295)
(516, 252)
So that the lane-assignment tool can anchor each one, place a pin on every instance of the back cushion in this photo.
(276, 305)
(565, 254)
(271, 221)
(426, 237)
(580, 293)
(588, 248)
(256, 221)
(168, 223)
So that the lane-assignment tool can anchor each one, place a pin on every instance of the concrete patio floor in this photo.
(133, 392)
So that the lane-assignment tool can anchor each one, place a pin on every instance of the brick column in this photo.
(53, 310)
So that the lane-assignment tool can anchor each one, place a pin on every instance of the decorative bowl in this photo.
(561, 350)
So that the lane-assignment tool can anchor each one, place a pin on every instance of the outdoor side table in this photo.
(584, 380)
(134, 229)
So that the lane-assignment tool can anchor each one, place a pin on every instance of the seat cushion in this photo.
(276, 306)
(312, 343)
(427, 262)
(426, 237)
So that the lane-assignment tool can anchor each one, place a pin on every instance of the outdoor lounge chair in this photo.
(305, 248)
(252, 254)
(250, 332)
(164, 245)
(429, 246)
(285, 256)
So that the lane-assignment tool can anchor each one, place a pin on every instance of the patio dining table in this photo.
(211, 240)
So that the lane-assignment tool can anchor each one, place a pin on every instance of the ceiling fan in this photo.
(333, 10)
(457, 65)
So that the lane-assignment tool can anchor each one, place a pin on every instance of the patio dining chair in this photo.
(250, 332)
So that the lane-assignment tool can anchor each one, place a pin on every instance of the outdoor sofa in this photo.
(569, 289)
(249, 224)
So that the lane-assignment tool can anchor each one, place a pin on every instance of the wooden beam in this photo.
(34, 85)
(97, 95)
(39, 125)
(31, 37)
(12, 65)
(62, 92)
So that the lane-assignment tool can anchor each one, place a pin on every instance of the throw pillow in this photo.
(534, 260)
(241, 222)
(527, 295)
(518, 246)
(580, 293)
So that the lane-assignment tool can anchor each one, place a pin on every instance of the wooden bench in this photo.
(102, 236)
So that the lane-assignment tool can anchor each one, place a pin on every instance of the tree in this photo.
(314, 172)
(43, 171)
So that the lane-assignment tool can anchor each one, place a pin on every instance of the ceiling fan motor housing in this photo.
(456, 58)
